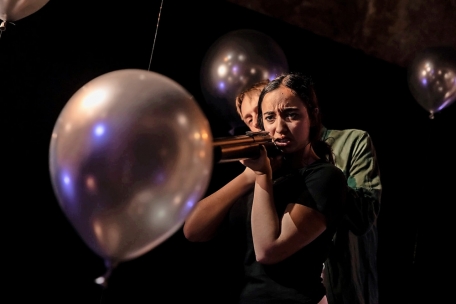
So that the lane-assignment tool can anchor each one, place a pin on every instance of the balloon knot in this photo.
(103, 280)
(3, 25)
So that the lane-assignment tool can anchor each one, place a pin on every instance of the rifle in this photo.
(235, 148)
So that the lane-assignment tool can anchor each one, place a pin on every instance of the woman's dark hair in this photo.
(302, 86)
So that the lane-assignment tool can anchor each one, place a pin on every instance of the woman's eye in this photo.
(291, 115)
(268, 118)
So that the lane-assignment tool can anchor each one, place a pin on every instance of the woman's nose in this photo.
(280, 125)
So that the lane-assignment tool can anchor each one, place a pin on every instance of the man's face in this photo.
(249, 110)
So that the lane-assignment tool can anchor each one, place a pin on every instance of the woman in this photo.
(281, 230)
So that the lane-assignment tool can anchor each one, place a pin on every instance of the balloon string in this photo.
(430, 140)
(155, 37)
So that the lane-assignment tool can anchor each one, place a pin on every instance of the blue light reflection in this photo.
(67, 185)
(99, 129)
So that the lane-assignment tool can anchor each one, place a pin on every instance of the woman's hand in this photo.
(260, 165)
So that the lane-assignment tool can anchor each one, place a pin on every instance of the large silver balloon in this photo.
(432, 78)
(12, 10)
(130, 156)
(235, 61)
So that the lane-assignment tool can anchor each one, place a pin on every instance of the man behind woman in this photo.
(280, 222)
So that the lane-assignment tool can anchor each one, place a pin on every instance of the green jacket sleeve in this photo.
(355, 155)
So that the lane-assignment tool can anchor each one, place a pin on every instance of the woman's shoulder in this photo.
(321, 167)
(321, 164)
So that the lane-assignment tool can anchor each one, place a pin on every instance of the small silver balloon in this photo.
(130, 156)
(432, 78)
(234, 62)
(12, 10)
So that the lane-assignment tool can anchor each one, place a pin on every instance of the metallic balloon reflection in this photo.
(130, 155)
(235, 61)
(432, 78)
(12, 10)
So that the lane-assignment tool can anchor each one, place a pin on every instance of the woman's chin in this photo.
(286, 149)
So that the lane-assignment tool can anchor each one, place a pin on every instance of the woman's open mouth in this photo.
(281, 142)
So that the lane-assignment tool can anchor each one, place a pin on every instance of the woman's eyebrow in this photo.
(288, 109)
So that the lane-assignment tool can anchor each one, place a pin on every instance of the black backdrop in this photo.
(49, 55)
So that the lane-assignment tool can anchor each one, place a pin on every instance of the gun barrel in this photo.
(235, 148)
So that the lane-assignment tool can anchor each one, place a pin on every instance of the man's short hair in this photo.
(256, 87)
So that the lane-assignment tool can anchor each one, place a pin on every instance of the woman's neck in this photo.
(303, 157)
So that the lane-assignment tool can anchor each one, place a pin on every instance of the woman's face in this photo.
(286, 119)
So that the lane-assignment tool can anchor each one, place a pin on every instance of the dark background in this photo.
(46, 57)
